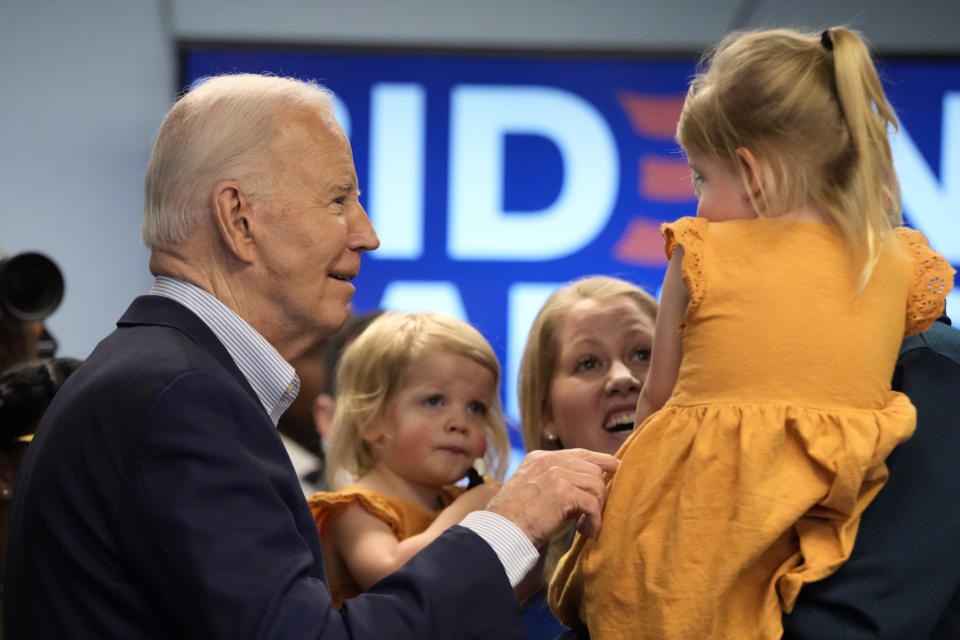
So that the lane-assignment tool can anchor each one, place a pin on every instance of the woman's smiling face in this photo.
(604, 353)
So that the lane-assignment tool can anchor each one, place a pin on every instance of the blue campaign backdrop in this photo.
(493, 178)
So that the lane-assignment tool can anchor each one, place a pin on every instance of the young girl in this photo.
(792, 289)
(417, 406)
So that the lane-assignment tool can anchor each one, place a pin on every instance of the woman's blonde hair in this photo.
(540, 354)
(370, 374)
(811, 109)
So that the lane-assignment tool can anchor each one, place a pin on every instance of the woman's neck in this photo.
(386, 481)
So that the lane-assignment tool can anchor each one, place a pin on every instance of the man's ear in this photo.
(753, 172)
(231, 213)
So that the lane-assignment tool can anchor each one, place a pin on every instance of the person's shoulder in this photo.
(352, 493)
(688, 232)
(370, 500)
(147, 355)
(328, 506)
(942, 338)
(685, 224)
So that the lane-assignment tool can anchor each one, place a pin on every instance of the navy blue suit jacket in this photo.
(902, 580)
(157, 501)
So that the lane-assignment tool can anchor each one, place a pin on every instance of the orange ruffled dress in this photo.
(405, 518)
(751, 480)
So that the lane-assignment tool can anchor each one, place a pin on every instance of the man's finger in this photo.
(590, 483)
(606, 462)
(590, 508)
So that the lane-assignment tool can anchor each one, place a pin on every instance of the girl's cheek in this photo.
(482, 446)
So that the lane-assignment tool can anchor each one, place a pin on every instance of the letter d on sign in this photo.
(479, 227)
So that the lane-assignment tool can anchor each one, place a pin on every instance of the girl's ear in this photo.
(752, 170)
(372, 433)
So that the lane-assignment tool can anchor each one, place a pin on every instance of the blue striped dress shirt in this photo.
(272, 378)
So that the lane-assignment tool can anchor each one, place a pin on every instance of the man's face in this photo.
(312, 230)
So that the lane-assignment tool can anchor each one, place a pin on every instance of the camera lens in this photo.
(31, 286)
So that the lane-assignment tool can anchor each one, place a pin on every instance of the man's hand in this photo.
(551, 486)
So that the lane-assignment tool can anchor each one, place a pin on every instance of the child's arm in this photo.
(667, 342)
(371, 552)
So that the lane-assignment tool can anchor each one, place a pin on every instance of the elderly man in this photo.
(157, 500)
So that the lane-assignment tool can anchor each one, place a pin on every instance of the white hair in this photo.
(221, 129)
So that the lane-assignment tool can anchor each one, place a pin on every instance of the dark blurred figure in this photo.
(31, 288)
(902, 580)
(305, 426)
(325, 403)
(299, 435)
(19, 341)
(25, 391)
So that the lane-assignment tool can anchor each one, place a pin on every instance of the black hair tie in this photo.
(826, 41)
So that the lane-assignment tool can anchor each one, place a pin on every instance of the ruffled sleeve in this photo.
(931, 282)
(325, 504)
(689, 233)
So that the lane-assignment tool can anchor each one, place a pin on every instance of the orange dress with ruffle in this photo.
(405, 519)
(750, 481)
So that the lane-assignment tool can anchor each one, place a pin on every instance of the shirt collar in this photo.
(272, 378)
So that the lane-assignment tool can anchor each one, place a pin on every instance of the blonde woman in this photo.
(586, 357)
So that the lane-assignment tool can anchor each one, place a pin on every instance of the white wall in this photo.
(891, 25)
(85, 83)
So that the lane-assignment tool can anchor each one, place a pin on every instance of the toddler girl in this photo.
(417, 406)
(792, 289)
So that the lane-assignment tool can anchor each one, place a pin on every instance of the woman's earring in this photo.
(550, 436)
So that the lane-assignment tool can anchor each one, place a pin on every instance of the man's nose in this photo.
(362, 236)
